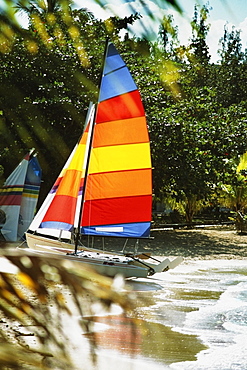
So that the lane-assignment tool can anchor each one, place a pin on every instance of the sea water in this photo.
(206, 299)
(219, 322)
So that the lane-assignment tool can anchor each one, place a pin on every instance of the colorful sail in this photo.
(61, 208)
(30, 195)
(18, 198)
(118, 197)
(114, 154)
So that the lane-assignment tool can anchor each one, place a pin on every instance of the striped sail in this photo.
(114, 153)
(118, 197)
(61, 208)
(18, 198)
(30, 195)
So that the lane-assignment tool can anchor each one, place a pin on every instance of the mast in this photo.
(90, 140)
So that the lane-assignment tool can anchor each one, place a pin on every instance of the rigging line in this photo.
(91, 127)
(87, 154)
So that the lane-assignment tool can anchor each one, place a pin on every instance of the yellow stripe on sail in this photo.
(28, 195)
(120, 158)
(11, 189)
(77, 160)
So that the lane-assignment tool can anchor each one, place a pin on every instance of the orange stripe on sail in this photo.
(119, 184)
(84, 136)
(70, 184)
(131, 130)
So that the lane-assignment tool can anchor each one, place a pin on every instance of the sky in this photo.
(232, 13)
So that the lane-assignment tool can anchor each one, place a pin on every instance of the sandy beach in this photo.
(201, 242)
(209, 242)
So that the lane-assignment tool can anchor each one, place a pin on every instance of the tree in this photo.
(168, 37)
(232, 73)
(34, 302)
(199, 47)
(30, 7)
(53, 79)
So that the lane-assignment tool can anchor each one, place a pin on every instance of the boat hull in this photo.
(102, 266)
(48, 247)
(104, 262)
(46, 244)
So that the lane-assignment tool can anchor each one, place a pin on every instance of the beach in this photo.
(192, 317)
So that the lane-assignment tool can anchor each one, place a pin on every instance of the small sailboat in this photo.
(18, 198)
(105, 187)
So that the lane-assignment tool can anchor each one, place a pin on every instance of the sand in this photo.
(201, 243)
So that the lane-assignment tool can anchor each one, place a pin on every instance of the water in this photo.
(206, 299)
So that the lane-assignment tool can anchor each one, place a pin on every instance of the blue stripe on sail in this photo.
(132, 230)
(31, 186)
(113, 60)
(116, 83)
(56, 225)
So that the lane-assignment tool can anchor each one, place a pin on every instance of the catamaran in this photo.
(105, 187)
(18, 198)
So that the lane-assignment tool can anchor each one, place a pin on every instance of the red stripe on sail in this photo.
(121, 107)
(117, 211)
(11, 200)
(62, 209)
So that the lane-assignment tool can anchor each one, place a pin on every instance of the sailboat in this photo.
(105, 187)
(18, 198)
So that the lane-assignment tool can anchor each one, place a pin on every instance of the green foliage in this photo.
(234, 194)
(200, 30)
(232, 79)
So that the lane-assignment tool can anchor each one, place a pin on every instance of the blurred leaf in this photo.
(40, 297)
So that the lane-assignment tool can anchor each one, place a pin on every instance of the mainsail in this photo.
(118, 197)
(18, 198)
(115, 198)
